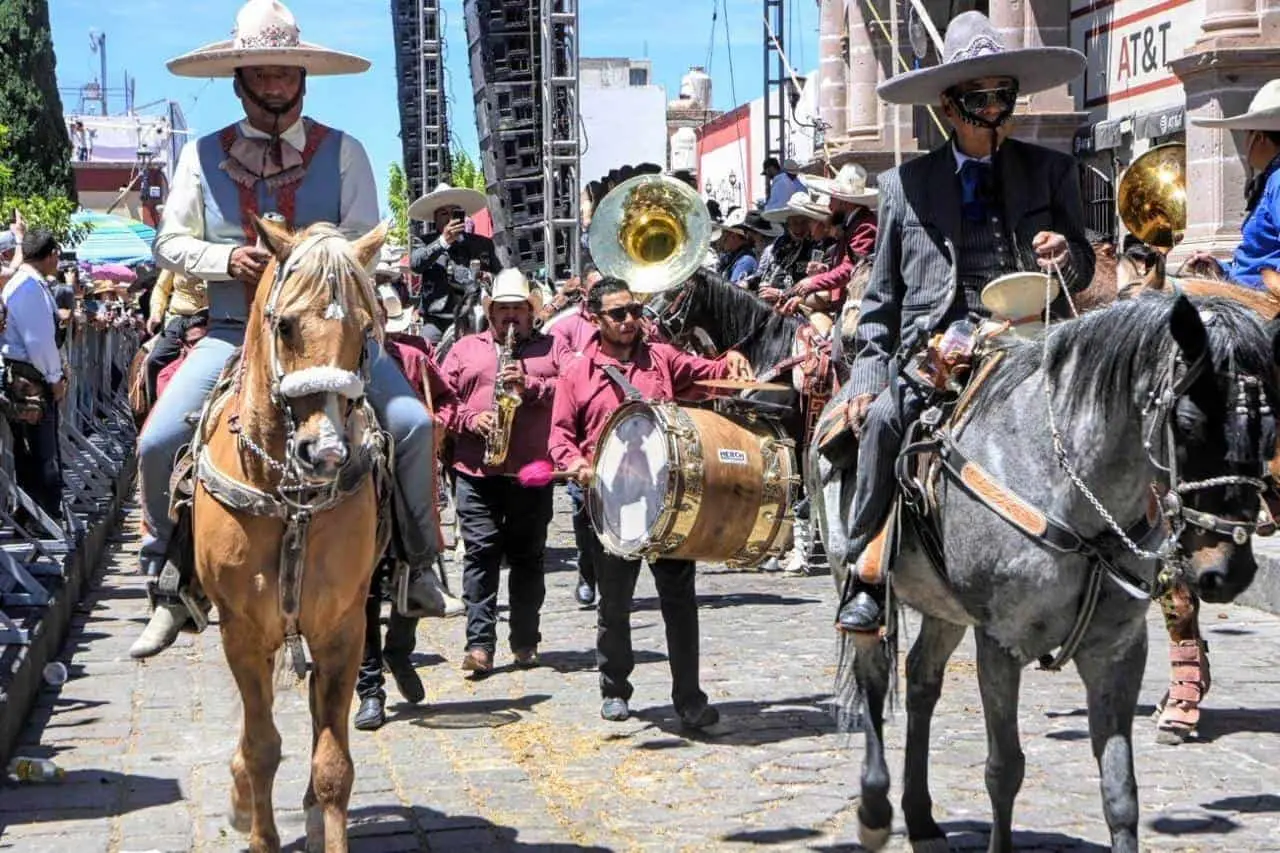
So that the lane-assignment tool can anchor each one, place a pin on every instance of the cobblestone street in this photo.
(522, 760)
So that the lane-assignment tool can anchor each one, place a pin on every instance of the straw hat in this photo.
(973, 49)
(800, 204)
(849, 184)
(265, 34)
(399, 318)
(510, 285)
(471, 201)
(1263, 112)
(1019, 299)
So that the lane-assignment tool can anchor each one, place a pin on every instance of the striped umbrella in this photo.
(113, 239)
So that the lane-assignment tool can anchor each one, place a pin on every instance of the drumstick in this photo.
(540, 473)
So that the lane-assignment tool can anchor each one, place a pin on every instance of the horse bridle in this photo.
(317, 379)
(674, 320)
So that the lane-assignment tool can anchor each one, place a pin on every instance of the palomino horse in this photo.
(294, 559)
(1060, 430)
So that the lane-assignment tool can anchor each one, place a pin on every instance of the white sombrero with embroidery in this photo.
(800, 204)
(471, 201)
(849, 184)
(1019, 300)
(265, 34)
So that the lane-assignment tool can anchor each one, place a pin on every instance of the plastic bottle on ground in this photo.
(55, 673)
(23, 769)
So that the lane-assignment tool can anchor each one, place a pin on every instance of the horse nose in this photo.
(322, 455)
(1212, 583)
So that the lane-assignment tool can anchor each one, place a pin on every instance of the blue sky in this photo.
(143, 34)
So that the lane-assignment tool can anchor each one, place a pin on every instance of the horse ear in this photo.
(275, 238)
(1188, 329)
(366, 248)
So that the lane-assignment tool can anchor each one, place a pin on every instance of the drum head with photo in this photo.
(630, 485)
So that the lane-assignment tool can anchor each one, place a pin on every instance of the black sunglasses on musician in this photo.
(622, 312)
(977, 100)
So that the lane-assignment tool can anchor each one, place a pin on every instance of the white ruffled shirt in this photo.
(180, 243)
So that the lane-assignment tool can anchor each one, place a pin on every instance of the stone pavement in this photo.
(522, 761)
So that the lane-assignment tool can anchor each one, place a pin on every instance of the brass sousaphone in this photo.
(651, 231)
(1152, 196)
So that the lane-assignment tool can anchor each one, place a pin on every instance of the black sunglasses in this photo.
(977, 100)
(622, 312)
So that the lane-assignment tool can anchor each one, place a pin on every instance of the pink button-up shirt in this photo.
(586, 396)
(576, 331)
(470, 368)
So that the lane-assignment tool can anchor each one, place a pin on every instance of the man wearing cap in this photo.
(824, 289)
(980, 206)
(1259, 247)
(499, 517)
(272, 161)
(445, 262)
(737, 250)
(782, 180)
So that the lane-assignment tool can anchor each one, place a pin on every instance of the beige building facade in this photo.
(1151, 65)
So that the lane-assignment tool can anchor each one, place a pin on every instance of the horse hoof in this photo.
(315, 829)
(930, 845)
(873, 839)
(241, 821)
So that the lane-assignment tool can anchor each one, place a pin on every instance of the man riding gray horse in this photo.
(980, 206)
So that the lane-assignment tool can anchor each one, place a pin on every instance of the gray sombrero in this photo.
(265, 34)
(973, 49)
(1263, 112)
(471, 201)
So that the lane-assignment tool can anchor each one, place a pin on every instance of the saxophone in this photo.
(505, 403)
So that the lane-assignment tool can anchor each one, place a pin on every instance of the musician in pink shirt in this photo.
(616, 361)
(498, 516)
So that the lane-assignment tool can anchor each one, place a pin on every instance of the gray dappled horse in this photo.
(1116, 378)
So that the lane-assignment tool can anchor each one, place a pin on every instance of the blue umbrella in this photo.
(113, 239)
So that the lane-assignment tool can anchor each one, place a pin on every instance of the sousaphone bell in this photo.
(651, 231)
(1152, 196)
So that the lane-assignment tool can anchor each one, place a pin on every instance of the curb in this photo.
(1264, 592)
(21, 667)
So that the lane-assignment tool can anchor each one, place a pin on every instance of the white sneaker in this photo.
(165, 625)
(798, 557)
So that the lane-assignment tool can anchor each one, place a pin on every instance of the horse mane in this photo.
(1113, 354)
(741, 313)
(327, 262)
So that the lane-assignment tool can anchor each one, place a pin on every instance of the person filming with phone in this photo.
(445, 262)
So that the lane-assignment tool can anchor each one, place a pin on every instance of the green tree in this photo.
(466, 173)
(49, 212)
(39, 150)
(398, 198)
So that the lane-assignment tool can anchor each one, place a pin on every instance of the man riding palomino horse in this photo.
(980, 206)
(274, 160)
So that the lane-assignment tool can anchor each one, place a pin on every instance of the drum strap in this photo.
(629, 391)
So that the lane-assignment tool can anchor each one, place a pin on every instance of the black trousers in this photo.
(583, 534)
(500, 518)
(616, 582)
(399, 645)
(166, 350)
(37, 460)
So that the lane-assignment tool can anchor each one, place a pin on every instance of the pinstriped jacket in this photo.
(911, 279)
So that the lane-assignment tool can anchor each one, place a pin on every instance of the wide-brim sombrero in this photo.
(265, 34)
(1263, 112)
(972, 50)
(471, 201)
(1019, 299)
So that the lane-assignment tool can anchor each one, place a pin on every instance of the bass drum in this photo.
(685, 483)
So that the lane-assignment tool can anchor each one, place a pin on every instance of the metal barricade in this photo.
(95, 436)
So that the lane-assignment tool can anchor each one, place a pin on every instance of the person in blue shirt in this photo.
(1259, 247)
(737, 249)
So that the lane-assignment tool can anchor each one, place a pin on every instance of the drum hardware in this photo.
(740, 385)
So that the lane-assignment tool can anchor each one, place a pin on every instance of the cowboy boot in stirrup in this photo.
(166, 624)
(1179, 710)
(864, 611)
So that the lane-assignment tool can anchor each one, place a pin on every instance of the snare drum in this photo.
(692, 484)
